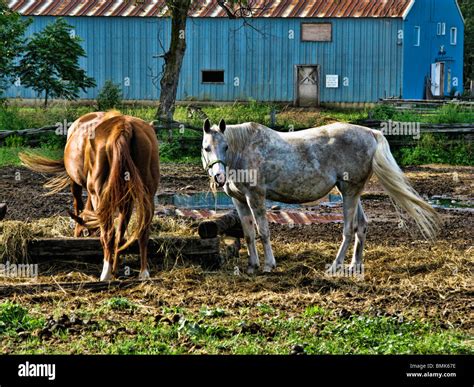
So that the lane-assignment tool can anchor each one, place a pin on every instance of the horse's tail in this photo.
(124, 186)
(398, 187)
(42, 164)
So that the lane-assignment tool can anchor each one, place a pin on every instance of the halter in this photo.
(212, 163)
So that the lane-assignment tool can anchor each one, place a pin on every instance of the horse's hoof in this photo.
(332, 270)
(105, 278)
(143, 276)
(268, 268)
(251, 269)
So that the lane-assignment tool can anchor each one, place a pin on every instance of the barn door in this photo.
(307, 85)
(437, 79)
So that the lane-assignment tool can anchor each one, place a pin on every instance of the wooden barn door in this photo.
(307, 85)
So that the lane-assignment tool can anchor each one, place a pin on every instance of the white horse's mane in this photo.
(239, 136)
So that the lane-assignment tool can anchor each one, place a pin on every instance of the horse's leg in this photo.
(78, 205)
(143, 244)
(259, 212)
(123, 220)
(360, 234)
(350, 202)
(107, 238)
(248, 227)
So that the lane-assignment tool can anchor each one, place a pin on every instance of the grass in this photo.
(121, 328)
(9, 156)
(432, 149)
(447, 114)
(14, 318)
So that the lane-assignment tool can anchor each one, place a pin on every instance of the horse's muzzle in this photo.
(220, 179)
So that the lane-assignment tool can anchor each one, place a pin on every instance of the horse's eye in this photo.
(207, 149)
(226, 148)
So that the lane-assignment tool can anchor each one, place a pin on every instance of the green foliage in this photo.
(467, 8)
(12, 30)
(383, 112)
(14, 317)
(52, 141)
(435, 149)
(110, 96)
(175, 151)
(14, 141)
(361, 334)
(120, 303)
(50, 63)
(450, 114)
(10, 119)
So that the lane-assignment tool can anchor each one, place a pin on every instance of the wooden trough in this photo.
(201, 251)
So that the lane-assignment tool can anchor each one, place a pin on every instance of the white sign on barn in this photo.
(332, 81)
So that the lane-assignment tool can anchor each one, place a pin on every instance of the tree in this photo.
(12, 31)
(467, 7)
(173, 58)
(50, 64)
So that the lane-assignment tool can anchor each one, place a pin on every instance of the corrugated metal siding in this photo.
(363, 50)
(210, 8)
(262, 57)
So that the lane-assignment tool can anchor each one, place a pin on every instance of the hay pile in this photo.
(14, 235)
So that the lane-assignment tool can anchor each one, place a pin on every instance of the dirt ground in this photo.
(404, 275)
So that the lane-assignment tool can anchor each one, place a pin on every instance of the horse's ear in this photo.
(207, 126)
(222, 126)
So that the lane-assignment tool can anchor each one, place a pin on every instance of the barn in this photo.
(302, 52)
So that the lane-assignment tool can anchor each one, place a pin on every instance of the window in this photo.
(212, 76)
(454, 36)
(316, 32)
(441, 29)
(417, 36)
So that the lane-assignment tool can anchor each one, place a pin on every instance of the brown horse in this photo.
(114, 157)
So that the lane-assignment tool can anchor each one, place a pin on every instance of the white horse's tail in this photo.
(397, 186)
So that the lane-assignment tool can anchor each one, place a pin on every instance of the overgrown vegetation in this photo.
(175, 145)
(447, 114)
(435, 149)
(110, 96)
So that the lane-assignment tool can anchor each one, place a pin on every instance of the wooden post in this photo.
(3, 210)
(227, 224)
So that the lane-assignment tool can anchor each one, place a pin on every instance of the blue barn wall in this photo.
(417, 60)
(262, 57)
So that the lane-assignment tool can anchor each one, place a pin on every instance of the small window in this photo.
(212, 76)
(441, 29)
(454, 36)
(417, 36)
(316, 32)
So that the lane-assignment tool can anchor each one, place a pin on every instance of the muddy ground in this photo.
(404, 275)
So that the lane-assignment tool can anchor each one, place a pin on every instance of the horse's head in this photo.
(214, 151)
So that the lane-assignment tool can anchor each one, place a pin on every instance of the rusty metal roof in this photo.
(208, 8)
